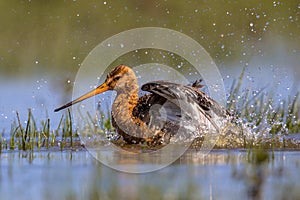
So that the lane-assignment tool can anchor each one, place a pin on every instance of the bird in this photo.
(157, 116)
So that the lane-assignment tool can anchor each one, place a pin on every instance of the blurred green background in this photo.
(53, 37)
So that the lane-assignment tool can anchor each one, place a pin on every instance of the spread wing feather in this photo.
(178, 101)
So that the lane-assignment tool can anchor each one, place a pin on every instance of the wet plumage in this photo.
(156, 117)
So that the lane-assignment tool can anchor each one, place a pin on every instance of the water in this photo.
(223, 174)
(20, 95)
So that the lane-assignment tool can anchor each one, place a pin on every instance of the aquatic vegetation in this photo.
(269, 120)
(31, 137)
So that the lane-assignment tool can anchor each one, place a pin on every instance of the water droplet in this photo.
(104, 3)
(74, 57)
(36, 62)
(251, 24)
(270, 106)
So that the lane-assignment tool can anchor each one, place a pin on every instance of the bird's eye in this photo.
(117, 78)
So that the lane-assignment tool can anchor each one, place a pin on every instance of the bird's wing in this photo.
(186, 100)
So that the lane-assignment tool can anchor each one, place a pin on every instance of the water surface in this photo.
(222, 174)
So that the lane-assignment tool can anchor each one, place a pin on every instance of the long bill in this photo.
(98, 90)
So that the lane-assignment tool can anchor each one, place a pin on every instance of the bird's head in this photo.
(121, 79)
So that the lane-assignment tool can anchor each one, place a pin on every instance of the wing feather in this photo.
(184, 98)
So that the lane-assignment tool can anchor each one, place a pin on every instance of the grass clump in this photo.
(262, 111)
(269, 119)
(31, 137)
